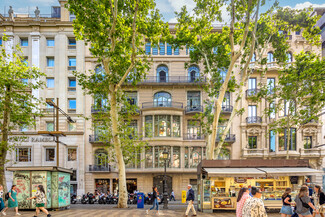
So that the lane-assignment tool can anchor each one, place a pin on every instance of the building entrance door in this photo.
(102, 185)
(158, 181)
(131, 185)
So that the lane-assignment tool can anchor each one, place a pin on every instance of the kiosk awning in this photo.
(289, 171)
(231, 172)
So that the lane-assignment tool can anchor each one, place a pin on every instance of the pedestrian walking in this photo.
(319, 200)
(40, 197)
(303, 203)
(12, 201)
(286, 210)
(172, 196)
(2, 204)
(243, 195)
(254, 206)
(190, 199)
(155, 197)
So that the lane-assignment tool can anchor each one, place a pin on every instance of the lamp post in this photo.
(165, 157)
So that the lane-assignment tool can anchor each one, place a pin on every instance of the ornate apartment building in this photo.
(167, 99)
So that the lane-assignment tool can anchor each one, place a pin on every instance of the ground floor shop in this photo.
(142, 182)
(219, 183)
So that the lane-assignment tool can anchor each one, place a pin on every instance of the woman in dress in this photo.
(286, 210)
(303, 203)
(40, 201)
(155, 195)
(12, 201)
(243, 195)
(319, 201)
(2, 204)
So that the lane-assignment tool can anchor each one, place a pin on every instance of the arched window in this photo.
(270, 58)
(289, 57)
(101, 158)
(162, 73)
(193, 73)
(162, 99)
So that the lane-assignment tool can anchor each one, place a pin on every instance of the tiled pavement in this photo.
(109, 210)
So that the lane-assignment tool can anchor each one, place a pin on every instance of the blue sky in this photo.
(167, 7)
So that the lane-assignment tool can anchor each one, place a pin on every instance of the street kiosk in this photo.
(55, 180)
(220, 181)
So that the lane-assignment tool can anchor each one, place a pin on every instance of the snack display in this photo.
(223, 203)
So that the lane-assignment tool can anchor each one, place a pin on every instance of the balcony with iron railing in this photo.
(254, 120)
(252, 92)
(99, 168)
(95, 139)
(193, 109)
(230, 138)
(170, 80)
(226, 108)
(193, 136)
(166, 104)
(97, 109)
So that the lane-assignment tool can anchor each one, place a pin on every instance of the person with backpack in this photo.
(303, 203)
(40, 201)
(319, 200)
(11, 196)
(2, 204)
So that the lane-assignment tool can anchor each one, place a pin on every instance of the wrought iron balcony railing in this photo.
(193, 109)
(173, 79)
(229, 138)
(253, 120)
(252, 92)
(99, 168)
(162, 104)
(227, 108)
(193, 136)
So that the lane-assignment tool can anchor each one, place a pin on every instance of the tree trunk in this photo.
(4, 138)
(123, 196)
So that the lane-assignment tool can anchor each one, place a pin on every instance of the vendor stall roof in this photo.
(38, 168)
(231, 172)
(290, 171)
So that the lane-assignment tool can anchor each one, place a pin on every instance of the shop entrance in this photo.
(131, 185)
(102, 185)
(158, 181)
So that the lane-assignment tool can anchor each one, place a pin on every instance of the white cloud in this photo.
(48, 2)
(306, 5)
(178, 4)
(173, 20)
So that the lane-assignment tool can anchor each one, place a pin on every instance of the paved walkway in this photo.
(96, 210)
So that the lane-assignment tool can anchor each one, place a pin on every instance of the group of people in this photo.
(190, 197)
(40, 198)
(250, 204)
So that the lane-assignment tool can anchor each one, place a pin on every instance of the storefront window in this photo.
(149, 157)
(148, 126)
(283, 137)
(307, 142)
(176, 163)
(272, 141)
(252, 142)
(176, 126)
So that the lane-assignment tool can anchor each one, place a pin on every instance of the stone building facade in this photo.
(167, 99)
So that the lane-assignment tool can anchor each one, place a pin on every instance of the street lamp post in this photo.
(165, 157)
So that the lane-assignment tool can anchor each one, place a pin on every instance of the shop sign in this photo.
(30, 139)
(240, 180)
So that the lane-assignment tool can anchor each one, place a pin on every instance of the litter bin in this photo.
(140, 199)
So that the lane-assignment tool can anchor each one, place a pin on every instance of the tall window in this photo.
(50, 82)
(193, 129)
(176, 158)
(272, 110)
(162, 48)
(162, 99)
(159, 161)
(288, 108)
(72, 41)
(270, 85)
(193, 73)
(252, 142)
(169, 49)
(272, 141)
(50, 154)
(149, 157)
(270, 58)
(148, 126)
(132, 97)
(162, 126)
(308, 142)
(193, 156)
(148, 48)
(252, 111)
(50, 42)
(252, 83)
(226, 102)
(284, 144)
(101, 158)
(162, 73)
(133, 128)
(155, 50)
(49, 126)
(24, 42)
(72, 103)
(72, 61)
(50, 61)
(193, 100)
(23, 154)
(72, 82)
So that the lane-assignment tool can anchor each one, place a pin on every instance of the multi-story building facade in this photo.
(168, 99)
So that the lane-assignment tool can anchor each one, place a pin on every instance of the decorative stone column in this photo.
(35, 56)
(9, 44)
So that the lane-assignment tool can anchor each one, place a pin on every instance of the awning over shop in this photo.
(234, 172)
(290, 171)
